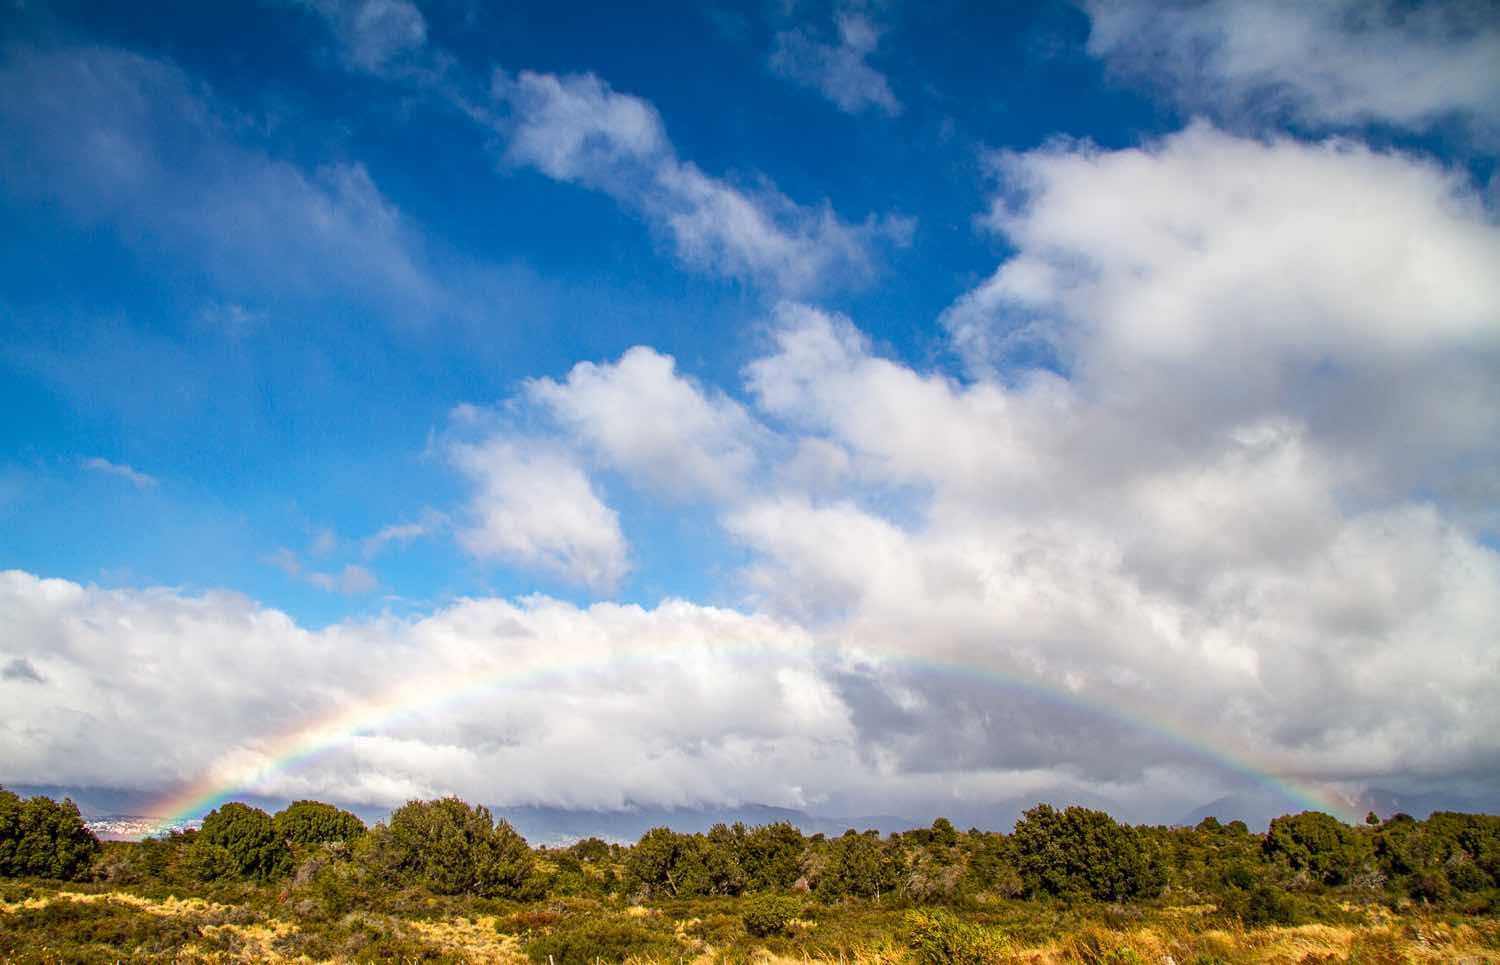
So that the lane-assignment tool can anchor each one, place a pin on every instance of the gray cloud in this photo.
(21, 669)
(1338, 63)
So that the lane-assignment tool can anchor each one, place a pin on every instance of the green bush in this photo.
(1317, 843)
(584, 941)
(1081, 853)
(239, 841)
(1266, 905)
(938, 937)
(766, 915)
(452, 848)
(41, 838)
(313, 822)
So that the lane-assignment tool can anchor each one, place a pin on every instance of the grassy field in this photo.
(54, 922)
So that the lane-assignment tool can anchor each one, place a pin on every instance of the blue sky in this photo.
(369, 311)
(314, 412)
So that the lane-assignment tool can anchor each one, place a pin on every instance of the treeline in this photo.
(448, 847)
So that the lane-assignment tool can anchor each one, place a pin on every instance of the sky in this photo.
(858, 407)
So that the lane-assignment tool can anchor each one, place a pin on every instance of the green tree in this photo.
(1081, 853)
(240, 841)
(943, 834)
(313, 822)
(1317, 843)
(772, 856)
(860, 865)
(453, 848)
(664, 862)
(42, 838)
(722, 847)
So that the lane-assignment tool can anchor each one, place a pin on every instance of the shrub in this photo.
(938, 937)
(1265, 905)
(452, 848)
(239, 841)
(313, 822)
(43, 839)
(1317, 843)
(767, 915)
(1083, 853)
(585, 941)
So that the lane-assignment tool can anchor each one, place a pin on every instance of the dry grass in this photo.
(1170, 936)
(470, 939)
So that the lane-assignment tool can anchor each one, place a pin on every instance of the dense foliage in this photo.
(452, 848)
(1083, 853)
(42, 838)
(239, 841)
(313, 823)
(937, 894)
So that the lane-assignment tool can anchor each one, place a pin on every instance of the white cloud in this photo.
(428, 522)
(1209, 281)
(535, 702)
(574, 128)
(135, 477)
(1223, 587)
(534, 506)
(840, 70)
(662, 428)
(374, 34)
(1337, 63)
(350, 581)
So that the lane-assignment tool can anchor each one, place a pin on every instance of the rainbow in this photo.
(285, 751)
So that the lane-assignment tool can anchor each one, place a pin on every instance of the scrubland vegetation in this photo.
(442, 881)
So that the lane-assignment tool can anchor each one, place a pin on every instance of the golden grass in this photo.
(470, 939)
(1175, 936)
(166, 907)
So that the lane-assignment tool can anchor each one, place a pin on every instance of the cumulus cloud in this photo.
(575, 128)
(136, 144)
(504, 702)
(135, 477)
(1321, 63)
(840, 70)
(1208, 281)
(1220, 509)
(534, 506)
(1225, 589)
(664, 429)
(374, 34)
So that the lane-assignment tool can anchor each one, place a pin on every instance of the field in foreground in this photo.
(55, 922)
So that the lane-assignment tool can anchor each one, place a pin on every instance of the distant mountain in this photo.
(103, 803)
(553, 825)
(549, 825)
(1421, 804)
(1255, 808)
(1258, 808)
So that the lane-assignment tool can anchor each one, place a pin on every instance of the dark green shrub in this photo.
(452, 848)
(42, 838)
(1081, 853)
(1265, 905)
(1429, 885)
(1317, 843)
(766, 915)
(239, 841)
(313, 822)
